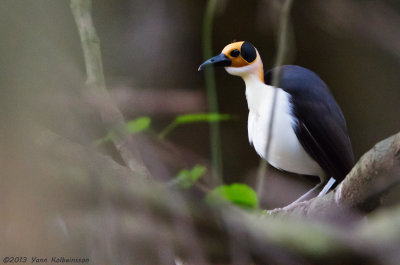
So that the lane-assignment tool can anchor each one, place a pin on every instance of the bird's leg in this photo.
(309, 194)
(327, 187)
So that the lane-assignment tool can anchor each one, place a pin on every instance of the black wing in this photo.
(320, 127)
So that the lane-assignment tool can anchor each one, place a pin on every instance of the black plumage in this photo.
(320, 125)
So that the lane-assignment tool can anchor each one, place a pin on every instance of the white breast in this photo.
(285, 151)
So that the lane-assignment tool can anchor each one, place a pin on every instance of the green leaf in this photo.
(131, 127)
(137, 125)
(193, 118)
(109, 137)
(236, 193)
(201, 117)
(187, 178)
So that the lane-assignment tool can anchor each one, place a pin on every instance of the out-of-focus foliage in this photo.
(131, 127)
(187, 178)
(138, 125)
(194, 118)
(236, 193)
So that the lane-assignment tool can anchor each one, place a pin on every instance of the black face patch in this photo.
(248, 52)
(235, 53)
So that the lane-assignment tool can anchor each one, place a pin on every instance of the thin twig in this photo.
(111, 116)
(215, 140)
(280, 58)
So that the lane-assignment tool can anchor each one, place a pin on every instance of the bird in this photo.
(306, 129)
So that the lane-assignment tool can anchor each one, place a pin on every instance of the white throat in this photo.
(253, 76)
(249, 73)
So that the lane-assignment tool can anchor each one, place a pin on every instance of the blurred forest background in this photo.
(151, 50)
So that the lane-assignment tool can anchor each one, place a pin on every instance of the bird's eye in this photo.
(235, 53)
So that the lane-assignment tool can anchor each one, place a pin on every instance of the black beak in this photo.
(219, 60)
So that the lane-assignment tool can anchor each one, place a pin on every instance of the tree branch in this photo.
(376, 172)
(111, 116)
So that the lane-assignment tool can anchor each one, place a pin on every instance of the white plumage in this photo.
(285, 151)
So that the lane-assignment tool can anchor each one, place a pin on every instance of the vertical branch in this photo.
(110, 114)
(283, 34)
(215, 141)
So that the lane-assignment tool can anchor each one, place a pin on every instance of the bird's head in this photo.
(239, 58)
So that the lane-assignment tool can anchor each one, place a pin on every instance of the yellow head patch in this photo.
(240, 53)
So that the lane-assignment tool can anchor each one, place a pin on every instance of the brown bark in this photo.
(376, 172)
